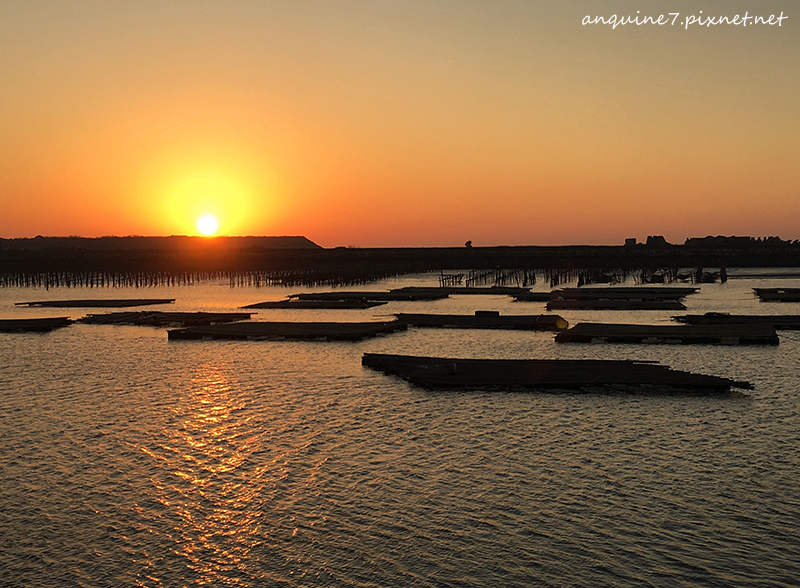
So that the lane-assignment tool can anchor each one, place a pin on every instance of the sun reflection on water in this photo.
(208, 485)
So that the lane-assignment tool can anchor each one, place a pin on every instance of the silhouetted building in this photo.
(657, 241)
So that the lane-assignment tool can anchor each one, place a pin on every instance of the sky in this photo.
(372, 123)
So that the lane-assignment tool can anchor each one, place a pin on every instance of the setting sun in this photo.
(207, 225)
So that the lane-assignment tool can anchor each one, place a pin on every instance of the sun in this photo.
(207, 225)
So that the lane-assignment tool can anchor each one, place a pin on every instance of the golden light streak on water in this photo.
(211, 492)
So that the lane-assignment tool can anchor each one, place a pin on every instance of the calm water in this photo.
(129, 460)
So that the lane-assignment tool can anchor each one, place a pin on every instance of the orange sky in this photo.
(385, 123)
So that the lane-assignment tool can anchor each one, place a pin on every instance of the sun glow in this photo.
(207, 225)
(236, 198)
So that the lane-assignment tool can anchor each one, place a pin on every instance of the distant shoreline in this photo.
(176, 242)
(115, 261)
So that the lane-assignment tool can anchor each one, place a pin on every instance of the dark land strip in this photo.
(146, 261)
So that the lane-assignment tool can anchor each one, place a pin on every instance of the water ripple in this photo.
(130, 460)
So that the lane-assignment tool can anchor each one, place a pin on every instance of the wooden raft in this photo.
(566, 374)
(533, 297)
(778, 321)
(611, 298)
(486, 319)
(624, 293)
(778, 294)
(33, 325)
(387, 296)
(465, 290)
(294, 304)
(161, 319)
(730, 334)
(98, 303)
(289, 330)
(592, 304)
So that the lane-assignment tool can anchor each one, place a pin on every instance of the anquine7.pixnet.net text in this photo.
(685, 21)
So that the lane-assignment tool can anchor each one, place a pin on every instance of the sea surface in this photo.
(130, 460)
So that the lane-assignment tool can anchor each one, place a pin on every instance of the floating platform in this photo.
(593, 304)
(533, 296)
(289, 330)
(486, 319)
(778, 321)
(33, 325)
(611, 298)
(99, 303)
(163, 319)
(466, 290)
(730, 334)
(624, 293)
(386, 296)
(294, 304)
(778, 294)
(545, 374)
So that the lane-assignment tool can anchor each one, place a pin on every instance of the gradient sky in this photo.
(398, 122)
